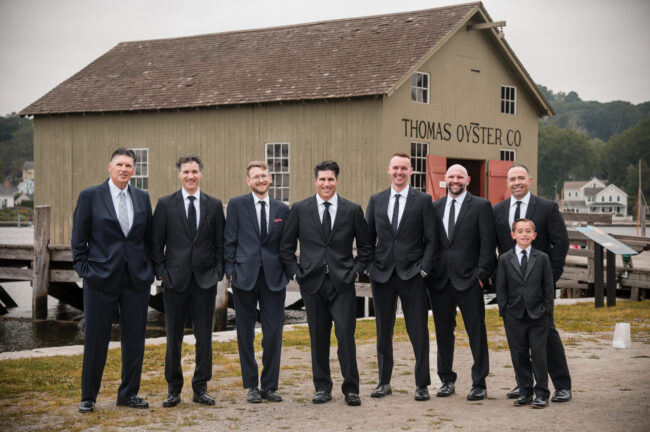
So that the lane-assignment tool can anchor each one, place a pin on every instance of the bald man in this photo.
(464, 260)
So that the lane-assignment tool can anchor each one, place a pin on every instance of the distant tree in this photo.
(16, 145)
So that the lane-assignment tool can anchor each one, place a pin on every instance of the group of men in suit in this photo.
(441, 253)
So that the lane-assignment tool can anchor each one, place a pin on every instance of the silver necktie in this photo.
(122, 214)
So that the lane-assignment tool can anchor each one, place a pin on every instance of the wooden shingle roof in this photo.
(331, 59)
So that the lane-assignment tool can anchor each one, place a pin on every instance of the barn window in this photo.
(141, 177)
(277, 157)
(508, 99)
(420, 87)
(508, 155)
(419, 152)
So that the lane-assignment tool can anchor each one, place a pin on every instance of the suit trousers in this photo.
(98, 316)
(472, 308)
(413, 296)
(527, 338)
(272, 319)
(199, 303)
(558, 367)
(323, 307)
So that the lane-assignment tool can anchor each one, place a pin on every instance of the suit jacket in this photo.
(532, 292)
(245, 252)
(319, 254)
(410, 249)
(99, 247)
(175, 254)
(471, 253)
(552, 236)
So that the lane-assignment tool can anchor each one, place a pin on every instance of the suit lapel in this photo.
(251, 212)
(464, 209)
(410, 202)
(108, 202)
(273, 210)
(530, 211)
(180, 209)
(531, 262)
(203, 217)
(514, 260)
(340, 210)
(440, 213)
(382, 204)
(313, 204)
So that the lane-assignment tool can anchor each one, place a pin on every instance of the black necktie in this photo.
(327, 220)
(395, 221)
(263, 220)
(517, 211)
(524, 262)
(452, 220)
(191, 216)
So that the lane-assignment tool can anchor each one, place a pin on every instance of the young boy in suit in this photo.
(524, 285)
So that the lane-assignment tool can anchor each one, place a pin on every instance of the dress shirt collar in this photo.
(115, 191)
(518, 251)
(256, 199)
(196, 194)
(525, 200)
(404, 193)
(459, 199)
(334, 200)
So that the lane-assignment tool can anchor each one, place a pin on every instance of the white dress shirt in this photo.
(115, 194)
(258, 210)
(519, 255)
(197, 204)
(459, 203)
(522, 209)
(402, 203)
(321, 208)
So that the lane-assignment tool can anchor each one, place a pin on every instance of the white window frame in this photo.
(279, 164)
(140, 178)
(420, 93)
(512, 155)
(508, 99)
(419, 153)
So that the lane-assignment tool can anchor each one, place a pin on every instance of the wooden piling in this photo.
(611, 279)
(41, 267)
(599, 289)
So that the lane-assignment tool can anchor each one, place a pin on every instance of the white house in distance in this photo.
(593, 196)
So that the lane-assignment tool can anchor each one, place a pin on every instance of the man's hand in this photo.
(480, 282)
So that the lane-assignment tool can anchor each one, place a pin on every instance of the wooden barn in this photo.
(441, 84)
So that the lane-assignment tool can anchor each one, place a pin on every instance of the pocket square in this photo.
(277, 220)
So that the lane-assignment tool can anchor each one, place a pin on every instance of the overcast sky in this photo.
(598, 48)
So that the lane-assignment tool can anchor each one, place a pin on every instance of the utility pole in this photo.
(641, 205)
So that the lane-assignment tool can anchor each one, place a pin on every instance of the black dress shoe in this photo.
(321, 397)
(133, 402)
(539, 402)
(513, 394)
(524, 400)
(352, 399)
(561, 395)
(421, 394)
(381, 391)
(271, 396)
(477, 393)
(171, 400)
(203, 398)
(254, 395)
(447, 389)
(86, 406)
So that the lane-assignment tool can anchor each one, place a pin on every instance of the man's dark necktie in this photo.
(327, 220)
(191, 216)
(517, 211)
(395, 220)
(263, 220)
(524, 262)
(452, 220)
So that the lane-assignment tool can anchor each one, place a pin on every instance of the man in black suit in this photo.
(327, 225)
(110, 250)
(524, 286)
(464, 262)
(553, 239)
(187, 251)
(251, 251)
(402, 228)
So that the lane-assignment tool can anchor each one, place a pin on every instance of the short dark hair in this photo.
(123, 151)
(520, 166)
(328, 165)
(191, 157)
(514, 223)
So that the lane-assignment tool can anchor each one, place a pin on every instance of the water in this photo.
(63, 325)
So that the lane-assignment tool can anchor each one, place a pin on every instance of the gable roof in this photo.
(345, 58)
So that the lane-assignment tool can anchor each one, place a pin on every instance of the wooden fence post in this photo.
(599, 289)
(41, 267)
(611, 279)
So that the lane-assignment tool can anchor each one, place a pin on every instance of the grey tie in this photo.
(122, 214)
